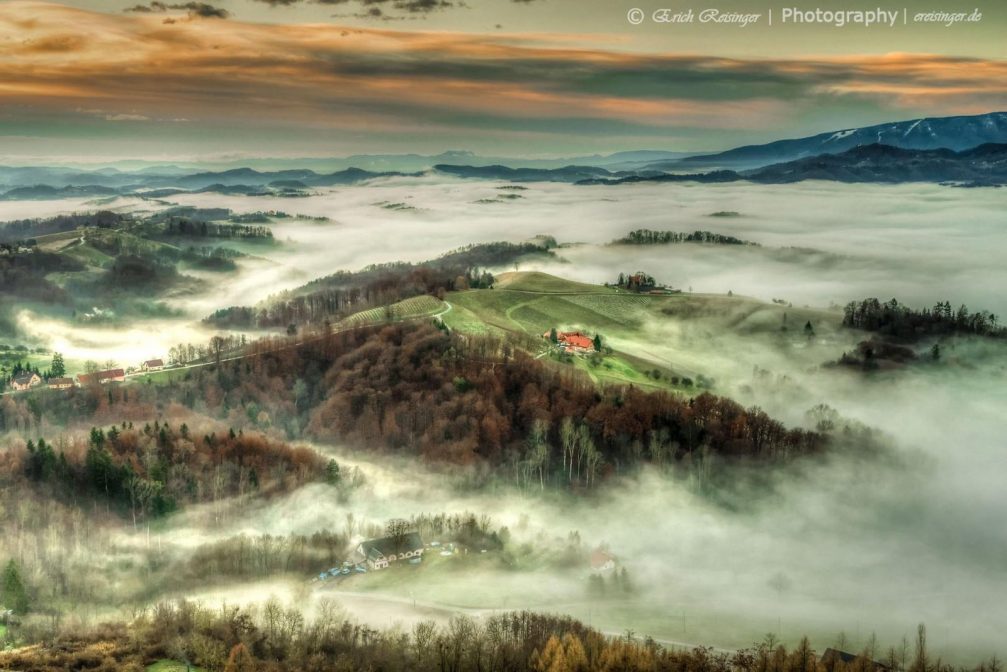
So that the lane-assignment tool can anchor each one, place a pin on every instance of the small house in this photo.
(152, 365)
(25, 381)
(60, 383)
(380, 553)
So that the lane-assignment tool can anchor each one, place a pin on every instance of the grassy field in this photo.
(643, 330)
(161, 377)
(53, 242)
(533, 303)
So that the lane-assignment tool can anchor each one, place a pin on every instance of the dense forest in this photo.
(424, 391)
(652, 237)
(153, 470)
(345, 292)
(898, 321)
(196, 228)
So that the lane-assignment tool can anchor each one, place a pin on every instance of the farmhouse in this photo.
(25, 381)
(379, 553)
(573, 341)
(638, 282)
(102, 377)
(60, 383)
(152, 365)
(643, 283)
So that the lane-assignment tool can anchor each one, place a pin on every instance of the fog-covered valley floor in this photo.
(848, 545)
(822, 243)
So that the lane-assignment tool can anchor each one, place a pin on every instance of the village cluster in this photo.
(376, 554)
(32, 379)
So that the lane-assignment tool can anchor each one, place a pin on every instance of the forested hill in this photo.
(337, 295)
(417, 390)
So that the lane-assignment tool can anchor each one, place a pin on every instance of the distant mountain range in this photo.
(125, 171)
(985, 165)
(564, 174)
(963, 150)
(956, 133)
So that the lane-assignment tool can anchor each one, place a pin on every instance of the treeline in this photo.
(260, 556)
(211, 258)
(275, 638)
(218, 347)
(652, 237)
(23, 229)
(149, 472)
(466, 529)
(345, 292)
(198, 228)
(899, 321)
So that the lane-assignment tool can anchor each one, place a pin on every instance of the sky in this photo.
(94, 80)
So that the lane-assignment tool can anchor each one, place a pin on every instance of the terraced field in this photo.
(543, 283)
(409, 309)
(622, 307)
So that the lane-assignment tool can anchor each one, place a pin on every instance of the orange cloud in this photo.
(59, 58)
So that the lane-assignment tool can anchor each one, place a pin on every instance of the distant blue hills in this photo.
(962, 149)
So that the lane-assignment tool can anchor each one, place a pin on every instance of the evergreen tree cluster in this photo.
(899, 321)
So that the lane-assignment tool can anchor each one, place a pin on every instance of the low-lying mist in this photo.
(845, 544)
(854, 241)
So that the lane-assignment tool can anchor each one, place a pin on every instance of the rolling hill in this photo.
(526, 305)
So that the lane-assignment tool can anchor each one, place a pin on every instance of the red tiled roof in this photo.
(576, 340)
(101, 375)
